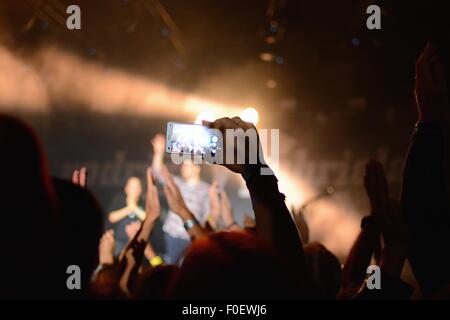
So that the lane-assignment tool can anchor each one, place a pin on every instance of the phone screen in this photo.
(192, 139)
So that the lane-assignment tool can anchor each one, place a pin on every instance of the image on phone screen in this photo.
(185, 138)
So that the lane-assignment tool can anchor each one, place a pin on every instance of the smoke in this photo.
(51, 78)
(332, 221)
(21, 85)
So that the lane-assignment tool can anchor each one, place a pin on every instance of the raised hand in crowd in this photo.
(104, 282)
(240, 149)
(386, 212)
(131, 259)
(158, 143)
(385, 219)
(80, 177)
(425, 190)
(273, 221)
(106, 248)
(359, 258)
(176, 204)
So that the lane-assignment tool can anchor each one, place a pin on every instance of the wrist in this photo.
(159, 154)
(264, 189)
(190, 223)
(185, 214)
(252, 171)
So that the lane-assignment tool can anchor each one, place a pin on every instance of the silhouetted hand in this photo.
(241, 149)
(79, 177)
(174, 198)
(159, 143)
(152, 206)
(131, 257)
(106, 248)
(431, 86)
(386, 211)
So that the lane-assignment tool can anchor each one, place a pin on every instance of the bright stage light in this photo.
(205, 115)
(250, 115)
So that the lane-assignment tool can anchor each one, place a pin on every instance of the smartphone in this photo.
(193, 139)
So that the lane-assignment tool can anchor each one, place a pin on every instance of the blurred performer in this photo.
(131, 213)
(195, 194)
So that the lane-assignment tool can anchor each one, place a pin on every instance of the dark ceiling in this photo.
(326, 61)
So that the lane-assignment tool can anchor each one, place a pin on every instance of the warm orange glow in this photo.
(54, 77)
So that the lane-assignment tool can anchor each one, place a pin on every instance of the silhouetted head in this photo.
(81, 230)
(325, 268)
(235, 265)
(23, 161)
(29, 213)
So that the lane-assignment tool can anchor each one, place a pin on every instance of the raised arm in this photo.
(158, 143)
(80, 177)
(273, 221)
(177, 205)
(360, 255)
(106, 248)
(384, 219)
(424, 198)
(131, 259)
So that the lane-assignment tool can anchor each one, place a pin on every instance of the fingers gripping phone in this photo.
(192, 139)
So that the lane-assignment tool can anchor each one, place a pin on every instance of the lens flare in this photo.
(250, 115)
